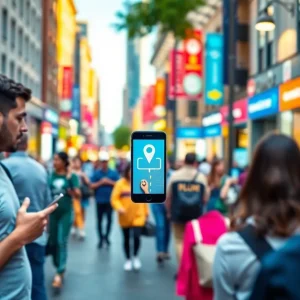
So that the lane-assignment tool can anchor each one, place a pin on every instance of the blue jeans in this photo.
(36, 256)
(163, 230)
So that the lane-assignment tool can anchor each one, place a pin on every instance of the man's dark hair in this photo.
(9, 92)
(190, 158)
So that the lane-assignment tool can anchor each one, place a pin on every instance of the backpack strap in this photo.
(197, 231)
(6, 171)
(195, 177)
(259, 246)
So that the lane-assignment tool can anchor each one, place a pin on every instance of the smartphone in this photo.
(56, 199)
(148, 166)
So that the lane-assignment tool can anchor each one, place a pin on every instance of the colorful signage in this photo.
(67, 90)
(264, 104)
(193, 65)
(214, 69)
(211, 119)
(76, 103)
(189, 133)
(160, 98)
(176, 75)
(289, 95)
(240, 112)
(212, 131)
(148, 105)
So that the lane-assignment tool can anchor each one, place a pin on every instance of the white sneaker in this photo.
(128, 265)
(73, 231)
(137, 263)
(81, 234)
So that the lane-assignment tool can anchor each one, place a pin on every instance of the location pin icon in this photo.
(149, 154)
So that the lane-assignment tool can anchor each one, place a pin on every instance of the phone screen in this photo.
(148, 167)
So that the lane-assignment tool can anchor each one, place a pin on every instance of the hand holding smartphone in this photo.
(56, 199)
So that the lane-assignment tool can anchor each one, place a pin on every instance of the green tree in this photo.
(141, 18)
(122, 137)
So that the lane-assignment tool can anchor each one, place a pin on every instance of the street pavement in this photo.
(98, 274)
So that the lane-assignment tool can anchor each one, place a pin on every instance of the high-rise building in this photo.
(20, 56)
(126, 115)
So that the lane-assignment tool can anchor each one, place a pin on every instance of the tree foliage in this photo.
(141, 18)
(122, 137)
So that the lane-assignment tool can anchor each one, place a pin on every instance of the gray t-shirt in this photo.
(15, 276)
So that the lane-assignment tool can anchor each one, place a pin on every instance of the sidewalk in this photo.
(98, 274)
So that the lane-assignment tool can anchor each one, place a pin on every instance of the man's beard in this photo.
(6, 139)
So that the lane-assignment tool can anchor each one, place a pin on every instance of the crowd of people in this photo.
(235, 237)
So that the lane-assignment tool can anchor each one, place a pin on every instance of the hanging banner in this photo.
(67, 90)
(193, 51)
(214, 91)
(160, 98)
(148, 105)
(76, 103)
(176, 75)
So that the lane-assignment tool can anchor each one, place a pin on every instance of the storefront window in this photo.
(34, 136)
(286, 122)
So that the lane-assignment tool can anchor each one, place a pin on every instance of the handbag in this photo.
(204, 255)
(149, 229)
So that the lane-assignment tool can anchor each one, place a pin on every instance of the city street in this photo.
(98, 274)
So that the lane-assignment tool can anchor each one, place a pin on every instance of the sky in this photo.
(109, 56)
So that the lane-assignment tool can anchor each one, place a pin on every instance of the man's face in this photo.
(12, 127)
(104, 164)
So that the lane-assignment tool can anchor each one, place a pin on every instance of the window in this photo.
(25, 80)
(21, 8)
(20, 42)
(3, 64)
(271, 59)
(12, 70)
(27, 10)
(14, 3)
(19, 75)
(193, 109)
(261, 51)
(13, 35)
(4, 24)
(261, 59)
(33, 18)
(26, 48)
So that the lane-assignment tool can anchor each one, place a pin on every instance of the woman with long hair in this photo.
(67, 183)
(132, 218)
(219, 184)
(268, 205)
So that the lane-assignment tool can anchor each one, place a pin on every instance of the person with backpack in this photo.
(266, 216)
(195, 272)
(186, 196)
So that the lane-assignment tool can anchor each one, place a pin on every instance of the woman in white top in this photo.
(270, 201)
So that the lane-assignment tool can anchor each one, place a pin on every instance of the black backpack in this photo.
(187, 200)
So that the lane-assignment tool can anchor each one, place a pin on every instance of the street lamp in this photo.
(265, 21)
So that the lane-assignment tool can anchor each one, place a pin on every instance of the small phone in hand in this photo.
(56, 199)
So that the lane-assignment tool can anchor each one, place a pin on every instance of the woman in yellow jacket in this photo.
(132, 218)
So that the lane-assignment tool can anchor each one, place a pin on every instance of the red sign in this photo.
(67, 83)
(46, 128)
(251, 87)
(240, 112)
(176, 75)
(148, 103)
(193, 64)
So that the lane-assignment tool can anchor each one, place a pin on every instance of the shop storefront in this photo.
(49, 134)
(35, 114)
(289, 106)
(240, 116)
(263, 113)
(190, 139)
(212, 134)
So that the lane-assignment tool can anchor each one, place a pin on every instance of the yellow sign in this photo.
(183, 187)
(215, 95)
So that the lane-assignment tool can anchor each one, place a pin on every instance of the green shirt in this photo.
(61, 184)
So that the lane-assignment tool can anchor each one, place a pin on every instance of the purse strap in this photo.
(197, 231)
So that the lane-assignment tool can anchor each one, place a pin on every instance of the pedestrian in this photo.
(132, 218)
(267, 214)
(163, 226)
(80, 205)
(219, 184)
(103, 181)
(35, 186)
(187, 173)
(204, 167)
(17, 227)
(62, 181)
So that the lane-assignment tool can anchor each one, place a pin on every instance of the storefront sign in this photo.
(212, 119)
(148, 105)
(46, 128)
(76, 103)
(189, 133)
(176, 75)
(240, 112)
(193, 65)
(289, 95)
(52, 117)
(212, 131)
(67, 90)
(214, 69)
(263, 105)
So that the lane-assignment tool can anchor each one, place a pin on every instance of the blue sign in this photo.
(212, 131)
(76, 103)
(264, 104)
(214, 91)
(189, 133)
(51, 116)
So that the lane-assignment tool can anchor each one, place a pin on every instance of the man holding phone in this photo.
(17, 227)
(20, 164)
